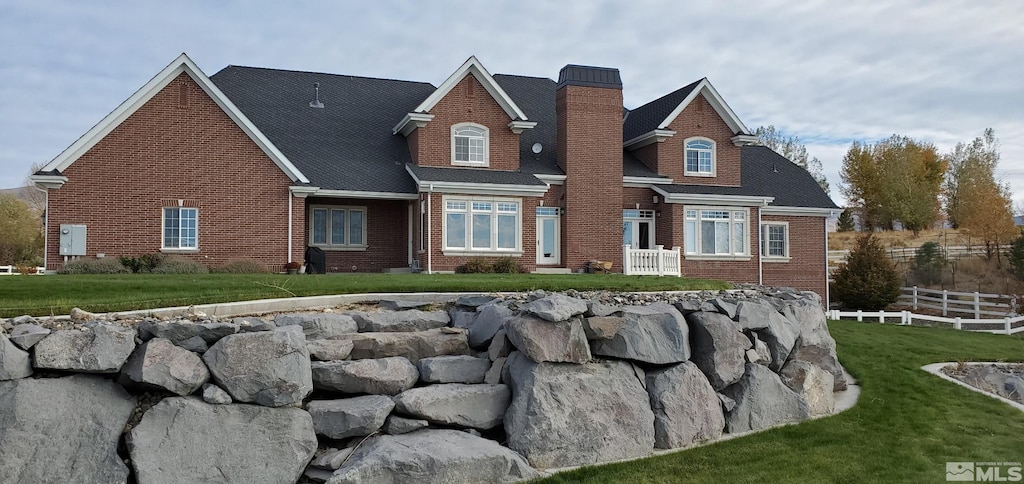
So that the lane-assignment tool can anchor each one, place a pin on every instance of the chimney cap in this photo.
(589, 76)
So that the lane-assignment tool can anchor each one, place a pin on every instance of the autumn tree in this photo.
(895, 180)
(968, 162)
(794, 150)
(21, 240)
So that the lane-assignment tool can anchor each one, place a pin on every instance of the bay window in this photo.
(482, 225)
(716, 232)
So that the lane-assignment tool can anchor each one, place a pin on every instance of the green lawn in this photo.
(57, 294)
(905, 427)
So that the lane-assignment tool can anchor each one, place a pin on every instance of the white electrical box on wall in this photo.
(72, 239)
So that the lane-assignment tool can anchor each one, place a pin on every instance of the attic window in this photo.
(700, 157)
(470, 144)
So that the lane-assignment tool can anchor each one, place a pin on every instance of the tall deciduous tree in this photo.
(975, 199)
(794, 150)
(967, 163)
(895, 180)
(21, 241)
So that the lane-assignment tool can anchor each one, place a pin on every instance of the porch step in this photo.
(399, 270)
(552, 270)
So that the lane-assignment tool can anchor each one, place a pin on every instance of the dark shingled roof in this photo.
(767, 173)
(647, 117)
(536, 97)
(473, 175)
(574, 75)
(632, 166)
(348, 144)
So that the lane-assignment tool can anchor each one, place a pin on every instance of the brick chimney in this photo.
(588, 104)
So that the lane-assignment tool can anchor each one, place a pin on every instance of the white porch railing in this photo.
(658, 261)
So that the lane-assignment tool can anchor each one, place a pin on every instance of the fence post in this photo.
(626, 266)
(881, 317)
(661, 259)
(956, 324)
(1006, 325)
(910, 319)
(977, 306)
(860, 316)
(915, 298)
(945, 296)
(903, 317)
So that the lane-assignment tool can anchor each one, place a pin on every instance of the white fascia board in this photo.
(181, 64)
(744, 139)
(801, 211)
(552, 179)
(472, 65)
(645, 180)
(707, 199)
(410, 122)
(711, 94)
(48, 181)
(301, 191)
(649, 138)
(518, 127)
(364, 194)
(484, 189)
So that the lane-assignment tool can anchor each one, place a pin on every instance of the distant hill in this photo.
(22, 193)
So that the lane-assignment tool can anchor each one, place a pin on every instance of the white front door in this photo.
(548, 236)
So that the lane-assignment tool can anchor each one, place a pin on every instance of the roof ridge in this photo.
(674, 91)
(526, 77)
(324, 74)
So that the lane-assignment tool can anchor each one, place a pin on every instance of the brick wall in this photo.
(439, 262)
(387, 235)
(697, 119)
(179, 145)
(467, 102)
(806, 267)
(590, 152)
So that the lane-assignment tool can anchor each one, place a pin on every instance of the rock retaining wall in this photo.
(406, 391)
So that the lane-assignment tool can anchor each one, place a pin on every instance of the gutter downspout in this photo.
(46, 224)
(430, 245)
(828, 296)
(290, 196)
(760, 256)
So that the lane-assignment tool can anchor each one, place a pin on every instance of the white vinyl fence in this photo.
(971, 303)
(658, 261)
(13, 270)
(998, 326)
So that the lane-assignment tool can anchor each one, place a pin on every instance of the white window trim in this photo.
(764, 243)
(714, 158)
(487, 145)
(163, 228)
(470, 250)
(745, 256)
(338, 247)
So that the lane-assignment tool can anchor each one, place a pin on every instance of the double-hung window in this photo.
(700, 157)
(716, 232)
(482, 225)
(181, 228)
(338, 227)
(469, 145)
(775, 240)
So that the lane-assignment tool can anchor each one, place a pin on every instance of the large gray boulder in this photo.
(349, 417)
(383, 376)
(540, 340)
(462, 317)
(567, 415)
(753, 314)
(319, 325)
(329, 349)
(270, 368)
(655, 334)
(815, 344)
(453, 369)
(780, 336)
(477, 406)
(401, 305)
(719, 348)
(411, 320)
(159, 363)
(433, 456)
(101, 349)
(555, 307)
(762, 401)
(14, 362)
(396, 425)
(813, 384)
(686, 408)
(181, 330)
(489, 320)
(186, 440)
(413, 345)
(62, 430)
(27, 335)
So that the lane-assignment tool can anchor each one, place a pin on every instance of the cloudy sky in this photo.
(830, 72)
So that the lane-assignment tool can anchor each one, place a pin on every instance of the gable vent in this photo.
(315, 103)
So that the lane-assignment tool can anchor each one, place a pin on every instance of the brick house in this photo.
(384, 174)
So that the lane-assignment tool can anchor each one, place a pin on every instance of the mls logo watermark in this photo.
(983, 471)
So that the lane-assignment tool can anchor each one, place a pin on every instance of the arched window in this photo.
(700, 157)
(469, 145)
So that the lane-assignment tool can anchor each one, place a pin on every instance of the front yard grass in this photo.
(904, 428)
(57, 294)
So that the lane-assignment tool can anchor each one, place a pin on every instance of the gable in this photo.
(651, 122)
(183, 65)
